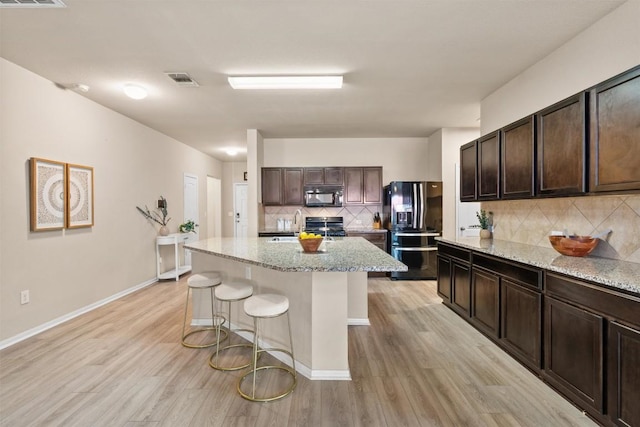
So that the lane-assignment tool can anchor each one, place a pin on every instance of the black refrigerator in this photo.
(412, 213)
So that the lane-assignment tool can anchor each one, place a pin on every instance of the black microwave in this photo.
(322, 196)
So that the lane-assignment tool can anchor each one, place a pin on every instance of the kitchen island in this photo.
(327, 291)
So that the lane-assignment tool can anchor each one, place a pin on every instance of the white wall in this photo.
(68, 270)
(402, 159)
(608, 47)
(232, 172)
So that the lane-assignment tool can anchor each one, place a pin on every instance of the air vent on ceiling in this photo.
(32, 3)
(183, 79)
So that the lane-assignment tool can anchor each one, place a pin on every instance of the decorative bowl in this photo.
(574, 245)
(310, 245)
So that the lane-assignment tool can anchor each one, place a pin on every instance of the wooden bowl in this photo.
(574, 245)
(310, 245)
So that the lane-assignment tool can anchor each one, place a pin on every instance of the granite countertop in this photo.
(608, 272)
(344, 254)
(366, 230)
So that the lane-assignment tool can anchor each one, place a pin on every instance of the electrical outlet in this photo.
(24, 297)
(247, 273)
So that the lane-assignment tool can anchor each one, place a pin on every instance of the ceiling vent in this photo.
(32, 3)
(183, 79)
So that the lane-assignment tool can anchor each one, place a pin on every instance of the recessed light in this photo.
(135, 91)
(80, 87)
(285, 82)
(231, 151)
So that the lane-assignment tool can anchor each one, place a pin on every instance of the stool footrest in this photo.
(255, 398)
(205, 345)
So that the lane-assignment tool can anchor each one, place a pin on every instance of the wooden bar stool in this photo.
(232, 291)
(266, 306)
(206, 280)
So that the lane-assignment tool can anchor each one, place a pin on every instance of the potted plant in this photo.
(485, 223)
(158, 217)
(188, 227)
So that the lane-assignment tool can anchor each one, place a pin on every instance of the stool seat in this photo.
(233, 291)
(266, 305)
(206, 279)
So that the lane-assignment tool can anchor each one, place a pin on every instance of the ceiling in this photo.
(410, 66)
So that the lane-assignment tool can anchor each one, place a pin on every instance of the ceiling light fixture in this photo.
(231, 151)
(135, 91)
(285, 82)
(80, 87)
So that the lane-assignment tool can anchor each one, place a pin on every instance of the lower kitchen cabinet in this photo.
(485, 308)
(521, 322)
(461, 287)
(444, 279)
(624, 374)
(573, 359)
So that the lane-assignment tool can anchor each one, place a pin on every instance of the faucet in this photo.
(295, 216)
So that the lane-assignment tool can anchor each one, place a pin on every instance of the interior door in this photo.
(190, 209)
(240, 209)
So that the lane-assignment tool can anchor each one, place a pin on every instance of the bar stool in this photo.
(205, 280)
(232, 291)
(265, 306)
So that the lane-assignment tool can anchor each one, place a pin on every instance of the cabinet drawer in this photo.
(524, 275)
(617, 306)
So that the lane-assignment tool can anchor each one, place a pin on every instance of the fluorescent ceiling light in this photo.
(135, 91)
(286, 82)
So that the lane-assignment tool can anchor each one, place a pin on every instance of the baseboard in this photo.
(55, 322)
(359, 322)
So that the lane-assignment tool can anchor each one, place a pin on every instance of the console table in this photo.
(174, 239)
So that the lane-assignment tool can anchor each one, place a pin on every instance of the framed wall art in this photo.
(48, 194)
(79, 185)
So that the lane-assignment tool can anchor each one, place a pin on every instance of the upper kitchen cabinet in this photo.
(489, 167)
(282, 186)
(468, 169)
(363, 186)
(518, 154)
(561, 144)
(615, 134)
(271, 186)
(293, 193)
(324, 176)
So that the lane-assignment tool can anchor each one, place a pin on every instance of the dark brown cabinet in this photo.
(444, 279)
(615, 134)
(271, 186)
(521, 315)
(461, 287)
(489, 167)
(561, 144)
(518, 154)
(468, 172)
(624, 375)
(485, 308)
(323, 176)
(363, 185)
(292, 191)
(573, 361)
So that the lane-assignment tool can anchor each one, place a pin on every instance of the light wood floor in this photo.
(418, 364)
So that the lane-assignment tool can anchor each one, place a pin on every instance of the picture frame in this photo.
(79, 187)
(48, 201)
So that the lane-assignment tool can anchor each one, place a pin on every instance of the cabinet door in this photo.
(573, 360)
(615, 134)
(271, 186)
(468, 169)
(517, 159)
(489, 167)
(313, 176)
(372, 186)
(293, 193)
(561, 145)
(353, 186)
(461, 287)
(485, 290)
(444, 279)
(624, 375)
(333, 176)
(521, 326)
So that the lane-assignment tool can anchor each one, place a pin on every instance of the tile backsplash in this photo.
(354, 216)
(531, 221)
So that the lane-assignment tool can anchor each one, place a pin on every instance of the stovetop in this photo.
(329, 225)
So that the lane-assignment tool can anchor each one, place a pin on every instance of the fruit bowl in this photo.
(574, 245)
(310, 244)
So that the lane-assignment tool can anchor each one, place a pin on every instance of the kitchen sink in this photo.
(290, 239)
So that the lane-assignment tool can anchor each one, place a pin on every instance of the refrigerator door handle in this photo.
(416, 249)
